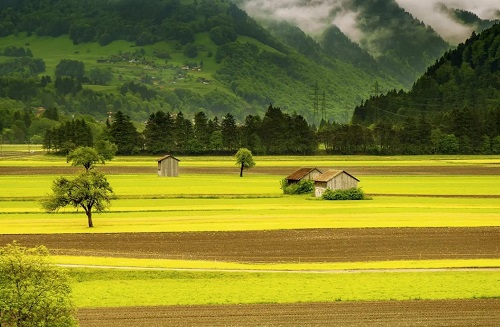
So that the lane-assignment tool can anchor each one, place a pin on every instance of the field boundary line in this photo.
(471, 196)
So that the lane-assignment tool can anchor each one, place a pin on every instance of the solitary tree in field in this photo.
(89, 190)
(244, 159)
(85, 156)
(106, 149)
(33, 291)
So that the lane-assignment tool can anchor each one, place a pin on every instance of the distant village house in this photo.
(334, 180)
(168, 166)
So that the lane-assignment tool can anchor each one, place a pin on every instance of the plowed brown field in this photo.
(465, 313)
(306, 245)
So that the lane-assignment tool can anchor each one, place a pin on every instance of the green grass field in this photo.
(215, 202)
(224, 214)
(116, 288)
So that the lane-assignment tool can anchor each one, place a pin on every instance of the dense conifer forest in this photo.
(453, 108)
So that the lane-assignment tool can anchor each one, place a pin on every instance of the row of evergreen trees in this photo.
(280, 133)
(275, 133)
(463, 131)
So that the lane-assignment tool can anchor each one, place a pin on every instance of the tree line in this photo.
(462, 132)
(275, 133)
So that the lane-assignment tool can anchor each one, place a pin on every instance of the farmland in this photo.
(238, 252)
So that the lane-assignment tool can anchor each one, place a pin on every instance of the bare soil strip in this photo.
(450, 313)
(285, 171)
(305, 245)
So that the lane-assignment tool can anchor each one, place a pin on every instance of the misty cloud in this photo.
(347, 23)
(314, 16)
(430, 13)
(311, 16)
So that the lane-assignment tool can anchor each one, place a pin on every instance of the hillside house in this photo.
(334, 180)
(168, 166)
(306, 174)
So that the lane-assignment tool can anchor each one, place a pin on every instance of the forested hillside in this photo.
(381, 35)
(469, 18)
(457, 100)
(98, 57)
(402, 45)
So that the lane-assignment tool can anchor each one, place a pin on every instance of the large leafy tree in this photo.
(105, 148)
(244, 159)
(85, 156)
(33, 291)
(90, 191)
(71, 68)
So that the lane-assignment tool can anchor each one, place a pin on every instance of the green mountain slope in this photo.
(466, 77)
(189, 56)
(458, 98)
(381, 35)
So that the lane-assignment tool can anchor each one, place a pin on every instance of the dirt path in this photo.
(449, 313)
(304, 245)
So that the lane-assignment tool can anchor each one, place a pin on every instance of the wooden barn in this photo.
(334, 180)
(306, 174)
(168, 166)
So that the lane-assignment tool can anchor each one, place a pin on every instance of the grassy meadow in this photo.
(232, 214)
(226, 202)
(89, 53)
(118, 288)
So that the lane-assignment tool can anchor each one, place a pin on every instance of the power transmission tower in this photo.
(315, 103)
(323, 106)
(376, 90)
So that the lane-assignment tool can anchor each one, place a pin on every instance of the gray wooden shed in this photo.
(168, 166)
(334, 180)
(307, 174)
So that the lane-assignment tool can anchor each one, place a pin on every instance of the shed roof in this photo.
(301, 173)
(330, 174)
(166, 157)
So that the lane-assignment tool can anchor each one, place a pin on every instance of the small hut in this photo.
(334, 180)
(306, 174)
(168, 166)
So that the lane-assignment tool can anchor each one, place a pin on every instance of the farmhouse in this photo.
(334, 180)
(168, 166)
(306, 174)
